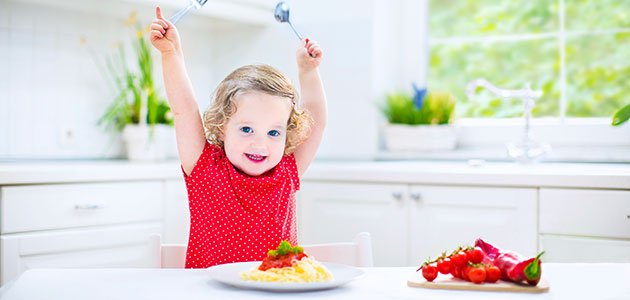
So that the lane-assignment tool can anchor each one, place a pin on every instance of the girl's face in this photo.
(256, 134)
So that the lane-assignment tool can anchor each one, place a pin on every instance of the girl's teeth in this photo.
(255, 157)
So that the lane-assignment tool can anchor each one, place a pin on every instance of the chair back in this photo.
(166, 256)
(357, 253)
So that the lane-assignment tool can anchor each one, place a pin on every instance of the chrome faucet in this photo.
(525, 93)
(527, 150)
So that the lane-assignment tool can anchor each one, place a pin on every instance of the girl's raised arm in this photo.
(309, 56)
(188, 125)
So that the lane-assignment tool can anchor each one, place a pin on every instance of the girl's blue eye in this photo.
(247, 129)
(273, 133)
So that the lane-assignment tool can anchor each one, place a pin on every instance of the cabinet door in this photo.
(336, 212)
(581, 225)
(176, 213)
(443, 217)
(582, 212)
(112, 246)
(572, 249)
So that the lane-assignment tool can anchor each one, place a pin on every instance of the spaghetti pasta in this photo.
(306, 269)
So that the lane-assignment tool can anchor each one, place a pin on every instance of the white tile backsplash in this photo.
(54, 85)
(22, 16)
(4, 14)
(50, 85)
(5, 105)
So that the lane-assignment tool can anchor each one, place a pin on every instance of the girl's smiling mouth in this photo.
(255, 157)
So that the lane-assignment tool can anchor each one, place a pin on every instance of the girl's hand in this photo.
(309, 55)
(164, 36)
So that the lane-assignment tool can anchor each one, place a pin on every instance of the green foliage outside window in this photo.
(512, 43)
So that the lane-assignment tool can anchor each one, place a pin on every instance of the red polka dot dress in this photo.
(235, 217)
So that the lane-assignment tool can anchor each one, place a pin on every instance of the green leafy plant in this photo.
(134, 89)
(622, 115)
(434, 108)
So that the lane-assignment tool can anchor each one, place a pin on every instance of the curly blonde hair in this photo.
(261, 78)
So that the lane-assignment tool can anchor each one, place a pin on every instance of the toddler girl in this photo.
(242, 169)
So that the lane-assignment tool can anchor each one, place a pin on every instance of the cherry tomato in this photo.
(429, 272)
(459, 259)
(477, 274)
(456, 272)
(493, 273)
(464, 273)
(475, 255)
(445, 266)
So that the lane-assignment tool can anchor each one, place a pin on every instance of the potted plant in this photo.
(138, 111)
(422, 121)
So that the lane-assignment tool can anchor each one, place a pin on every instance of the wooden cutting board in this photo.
(447, 282)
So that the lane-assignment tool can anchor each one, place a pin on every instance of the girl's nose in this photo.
(258, 142)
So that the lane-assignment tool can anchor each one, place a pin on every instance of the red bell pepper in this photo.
(514, 267)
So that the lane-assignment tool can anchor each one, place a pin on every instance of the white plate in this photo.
(230, 274)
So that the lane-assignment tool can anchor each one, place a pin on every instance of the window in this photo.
(575, 51)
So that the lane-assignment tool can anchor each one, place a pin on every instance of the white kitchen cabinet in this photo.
(74, 225)
(562, 248)
(336, 212)
(443, 217)
(176, 212)
(408, 223)
(105, 247)
(44, 207)
(585, 225)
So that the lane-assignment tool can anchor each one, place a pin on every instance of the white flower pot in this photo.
(400, 137)
(146, 143)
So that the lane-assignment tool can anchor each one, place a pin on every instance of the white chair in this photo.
(357, 253)
(166, 256)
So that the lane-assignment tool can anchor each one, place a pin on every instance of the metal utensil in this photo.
(282, 15)
(196, 4)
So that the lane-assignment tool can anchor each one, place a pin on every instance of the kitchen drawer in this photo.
(595, 213)
(572, 249)
(43, 207)
(114, 246)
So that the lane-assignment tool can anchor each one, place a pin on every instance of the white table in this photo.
(567, 281)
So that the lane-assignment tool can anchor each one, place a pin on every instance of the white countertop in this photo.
(567, 281)
(35, 172)
(581, 175)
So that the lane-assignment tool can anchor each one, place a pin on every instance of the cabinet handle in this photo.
(397, 195)
(88, 207)
(416, 197)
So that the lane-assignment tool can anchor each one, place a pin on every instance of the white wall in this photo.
(51, 93)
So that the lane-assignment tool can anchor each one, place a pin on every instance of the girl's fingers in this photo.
(158, 12)
(163, 23)
(314, 50)
(156, 34)
(158, 27)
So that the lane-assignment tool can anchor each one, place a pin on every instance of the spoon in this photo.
(282, 15)
(182, 12)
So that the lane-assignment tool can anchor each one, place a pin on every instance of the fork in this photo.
(196, 4)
